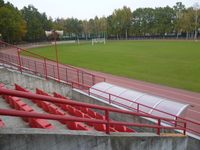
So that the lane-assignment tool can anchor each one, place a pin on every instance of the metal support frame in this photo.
(45, 68)
(19, 60)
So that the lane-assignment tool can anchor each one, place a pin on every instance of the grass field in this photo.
(171, 63)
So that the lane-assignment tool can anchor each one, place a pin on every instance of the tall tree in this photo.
(72, 26)
(103, 26)
(12, 24)
(59, 24)
(110, 27)
(164, 20)
(121, 20)
(85, 27)
(100, 26)
(92, 29)
(1, 3)
(188, 21)
(127, 19)
(143, 22)
(179, 9)
(196, 9)
(37, 23)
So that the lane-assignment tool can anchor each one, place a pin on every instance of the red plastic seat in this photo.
(52, 109)
(2, 85)
(19, 104)
(2, 124)
(100, 127)
(76, 126)
(64, 107)
(40, 123)
(27, 108)
(60, 96)
(84, 109)
(99, 116)
(92, 113)
(79, 114)
(45, 105)
(19, 88)
(59, 112)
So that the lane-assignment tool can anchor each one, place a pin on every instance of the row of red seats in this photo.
(51, 108)
(75, 112)
(92, 114)
(84, 112)
(18, 104)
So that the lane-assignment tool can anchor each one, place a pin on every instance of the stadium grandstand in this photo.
(48, 106)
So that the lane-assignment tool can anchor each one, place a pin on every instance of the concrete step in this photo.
(57, 124)
(173, 135)
(11, 122)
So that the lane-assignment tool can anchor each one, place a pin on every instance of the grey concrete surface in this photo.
(31, 82)
(193, 144)
(11, 122)
(72, 140)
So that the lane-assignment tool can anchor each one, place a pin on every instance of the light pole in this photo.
(55, 33)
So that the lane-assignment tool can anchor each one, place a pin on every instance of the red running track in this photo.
(174, 94)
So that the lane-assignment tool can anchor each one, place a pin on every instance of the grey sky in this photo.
(85, 9)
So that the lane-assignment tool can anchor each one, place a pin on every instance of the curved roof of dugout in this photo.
(125, 97)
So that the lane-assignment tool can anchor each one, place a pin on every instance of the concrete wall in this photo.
(9, 78)
(193, 144)
(70, 140)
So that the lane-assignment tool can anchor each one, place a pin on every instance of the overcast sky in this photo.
(86, 9)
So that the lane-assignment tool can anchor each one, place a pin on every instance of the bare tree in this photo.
(196, 8)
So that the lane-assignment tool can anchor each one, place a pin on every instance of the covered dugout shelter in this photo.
(134, 100)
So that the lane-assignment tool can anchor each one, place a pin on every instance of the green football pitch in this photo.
(171, 63)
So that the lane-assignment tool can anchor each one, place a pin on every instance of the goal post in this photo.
(98, 40)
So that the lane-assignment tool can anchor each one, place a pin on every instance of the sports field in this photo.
(171, 63)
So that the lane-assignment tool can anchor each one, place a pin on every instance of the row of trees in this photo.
(22, 25)
(165, 21)
(12, 23)
(30, 25)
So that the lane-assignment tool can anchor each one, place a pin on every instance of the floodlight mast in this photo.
(55, 33)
